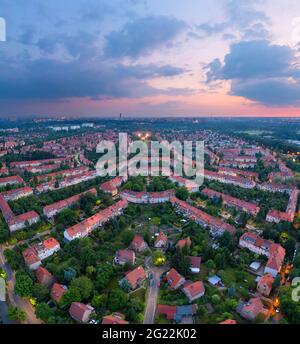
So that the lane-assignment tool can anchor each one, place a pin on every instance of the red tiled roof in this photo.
(50, 243)
(78, 309)
(161, 237)
(195, 288)
(69, 172)
(173, 278)
(114, 319)
(111, 185)
(266, 280)
(15, 192)
(30, 256)
(184, 242)
(281, 216)
(276, 257)
(196, 214)
(5, 208)
(168, 311)
(254, 305)
(15, 179)
(96, 220)
(126, 256)
(42, 275)
(276, 252)
(133, 277)
(147, 195)
(250, 207)
(66, 202)
(137, 242)
(30, 215)
(57, 292)
(35, 162)
(228, 322)
(195, 262)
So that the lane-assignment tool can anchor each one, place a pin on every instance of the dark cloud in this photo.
(53, 79)
(248, 59)
(270, 92)
(259, 71)
(142, 36)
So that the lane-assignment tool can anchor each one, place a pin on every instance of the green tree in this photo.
(127, 236)
(133, 308)
(13, 258)
(215, 299)
(4, 234)
(84, 285)
(219, 260)
(66, 217)
(180, 262)
(23, 285)
(40, 292)
(182, 193)
(99, 301)
(117, 300)
(290, 246)
(16, 314)
(289, 308)
(202, 311)
(43, 311)
(72, 295)
(211, 264)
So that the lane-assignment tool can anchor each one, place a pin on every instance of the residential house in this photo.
(216, 225)
(182, 243)
(44, 277)
(161, 241)
(80, 312)
(84, 228)
(54, 208)
(252, 309)
(179, 314)
(34, 255)
(11, 180)
(57, 292)
(174, 279)
(138, 244)
(195, 264)
(265, 284)
(274, 252)
(194, 291)
(123, 257)
(241, 205)
(135, 278)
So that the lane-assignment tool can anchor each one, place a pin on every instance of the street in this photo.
(13, 299)
(152, 290)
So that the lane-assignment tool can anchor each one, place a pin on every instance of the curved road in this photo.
(13, 299)
(153, 289)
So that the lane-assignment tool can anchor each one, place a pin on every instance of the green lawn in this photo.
(139, 294)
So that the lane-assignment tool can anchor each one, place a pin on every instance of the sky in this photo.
(150, 58)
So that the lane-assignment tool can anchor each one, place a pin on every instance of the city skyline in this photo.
(148, 59)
